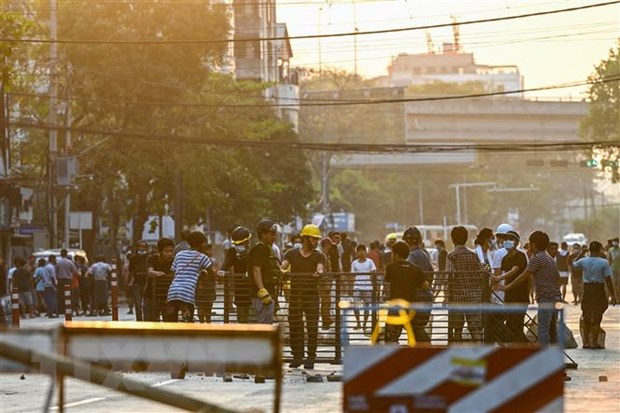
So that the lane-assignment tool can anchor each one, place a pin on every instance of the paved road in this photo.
(584, 393)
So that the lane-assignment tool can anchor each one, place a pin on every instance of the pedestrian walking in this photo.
(306, 265)
(188, 266)
(236, 262)
(596, 274)
(137, 276)
(543, 269)
(466, 286)
(101, 273)
(364, 269)
(265, 271)
(159, 273)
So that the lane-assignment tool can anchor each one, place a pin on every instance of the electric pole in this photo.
(53, 133)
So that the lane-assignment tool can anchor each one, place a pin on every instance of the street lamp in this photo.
(457, 187)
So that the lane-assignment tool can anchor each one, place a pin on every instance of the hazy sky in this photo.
(548, 50)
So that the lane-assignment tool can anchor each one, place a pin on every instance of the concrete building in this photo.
(266, 60)
(451, 66)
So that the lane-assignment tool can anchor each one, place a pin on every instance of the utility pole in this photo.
(67, 231)
(355, 29)
(457, 187)
(53, 133)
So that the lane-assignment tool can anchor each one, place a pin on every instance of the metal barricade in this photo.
(310, 304)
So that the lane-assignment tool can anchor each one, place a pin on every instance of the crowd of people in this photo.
(179, 278)
(40, 284)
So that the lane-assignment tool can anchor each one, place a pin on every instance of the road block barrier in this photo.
(15, 307)
(176, 347)
(68, 302)
(454, 378)
(114, 290)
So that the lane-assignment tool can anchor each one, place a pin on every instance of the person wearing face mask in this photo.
(137, 276)
(494, 328)
(513, 264)
(613, 257)
(236, 262)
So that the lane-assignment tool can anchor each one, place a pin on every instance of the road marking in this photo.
(98, 399)
(87, 401)
(163, 383)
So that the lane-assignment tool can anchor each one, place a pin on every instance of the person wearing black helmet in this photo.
(236, 262)
(417, 254)
(265, 271)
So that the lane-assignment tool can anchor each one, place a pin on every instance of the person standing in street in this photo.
(265, 271)
(543, 269)
(613, 257)
(137, 276)
(100, 272)
(39, 284)
(576, 275)
(158, 268)
(306, 266)
(236, 261)
(403, 279)
(363, 268)
(465, 287)
(420, 257)
(85, 284)
(596, 274)
(65, 271)
(561, 259)
(188, 266)
(50, 284)
(513, 264)
(22, 280)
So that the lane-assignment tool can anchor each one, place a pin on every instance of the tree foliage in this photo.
(603, 120)
(167, 90)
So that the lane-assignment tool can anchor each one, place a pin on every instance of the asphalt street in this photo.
(594, 386)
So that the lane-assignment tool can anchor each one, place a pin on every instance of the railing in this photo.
(308, 311)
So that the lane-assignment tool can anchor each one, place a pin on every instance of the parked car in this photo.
(71, 252)
(575, 238)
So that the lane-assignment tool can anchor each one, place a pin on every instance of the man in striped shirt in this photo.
(188, 266)
(546, 279)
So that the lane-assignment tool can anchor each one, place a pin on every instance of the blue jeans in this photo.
(547, 321)
(49, 295)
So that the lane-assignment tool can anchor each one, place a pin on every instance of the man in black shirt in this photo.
(137, 276)
(265, 271)
(237, 259)
(159, 279)
(403, 280)
(513, 264)
(22, 280)
(306, 265)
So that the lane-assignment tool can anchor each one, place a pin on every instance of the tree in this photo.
(603, 120)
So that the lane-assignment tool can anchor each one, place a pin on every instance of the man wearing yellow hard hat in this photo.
(306, 265)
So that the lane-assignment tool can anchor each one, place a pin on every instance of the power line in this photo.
(325, 102)
(332, 147)
(314, 36)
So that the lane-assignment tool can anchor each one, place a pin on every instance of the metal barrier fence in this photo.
(307, 308)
